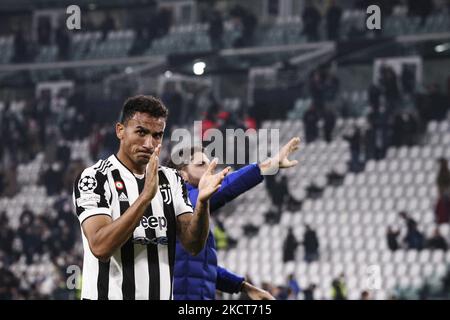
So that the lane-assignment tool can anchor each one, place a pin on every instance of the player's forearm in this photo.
(114, 235)
(198, 228)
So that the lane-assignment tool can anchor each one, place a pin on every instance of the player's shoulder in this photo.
(100, 168)
(171, 174)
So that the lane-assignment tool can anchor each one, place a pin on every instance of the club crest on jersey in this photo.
(166, 194)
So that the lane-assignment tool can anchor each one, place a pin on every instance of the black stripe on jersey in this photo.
(103, 280)
(78, 209)
(169, 213)
(183, 188)
(152, 254)
(127, 250)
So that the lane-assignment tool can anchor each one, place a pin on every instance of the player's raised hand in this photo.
(281, 159)
(210, 182)
(290, 147)
(151, 174)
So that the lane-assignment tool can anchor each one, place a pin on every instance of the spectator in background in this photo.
(414, 239)
(333, 17)
(442, 210)
(437, 241)
(405, 129)
(290, 246)
(392, 240)
(215, 30)
(339, 288)
(108, 24)
(311, 244)
(62, 40)
(308, 293)
(20, 53)
(311, 20)
(421, 8)
(329, 122)
(172, 98)
(374, 94)
(389, 87)
(365, 295)
(311, 124)
(355, 140)
(246, 22)
(293, 286)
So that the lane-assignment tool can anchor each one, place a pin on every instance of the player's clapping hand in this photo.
(210, 182)
(151, 174)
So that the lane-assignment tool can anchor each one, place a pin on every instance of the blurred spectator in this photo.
(377, 140)
(339, 288)
(333, 16)
(421, 8)
(215, 30)
(442, 209)
(223, 240)
(173, 100)
(308, 293)
(408, 77)
(392, 240)
(20, 53)
(414, 239)
(355, 139)
(437, 241)
(365, 295)
(311, 20)
(311, 244)
(374, 94)
(311, 124)
(405, 129)
(62, 40)
(290, 246)
(329, 122)
(53, 178)
(108, 24)
(245, 21)
(44, 31)
(293, 286)
(389, 87)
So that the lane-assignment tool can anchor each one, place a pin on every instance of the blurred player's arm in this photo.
(230, 282)
(192, 229)
(104, 235)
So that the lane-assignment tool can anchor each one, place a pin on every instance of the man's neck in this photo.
(127, 162)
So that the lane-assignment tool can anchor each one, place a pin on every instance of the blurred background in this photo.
(364, 216)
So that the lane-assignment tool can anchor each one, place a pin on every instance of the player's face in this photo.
(140, 136)
(196, 168)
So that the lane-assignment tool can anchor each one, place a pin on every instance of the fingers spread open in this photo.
(212, 166)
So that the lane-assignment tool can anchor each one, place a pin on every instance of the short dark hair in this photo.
(146, 104)
(185, 154)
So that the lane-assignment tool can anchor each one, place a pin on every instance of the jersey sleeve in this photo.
(91, 194)
(181, 201)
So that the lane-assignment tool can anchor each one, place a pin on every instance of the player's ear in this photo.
(184, 174)
(120, 128)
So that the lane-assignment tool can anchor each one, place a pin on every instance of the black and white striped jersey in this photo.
(143, 267)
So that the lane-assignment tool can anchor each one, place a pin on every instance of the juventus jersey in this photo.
(139, 269)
